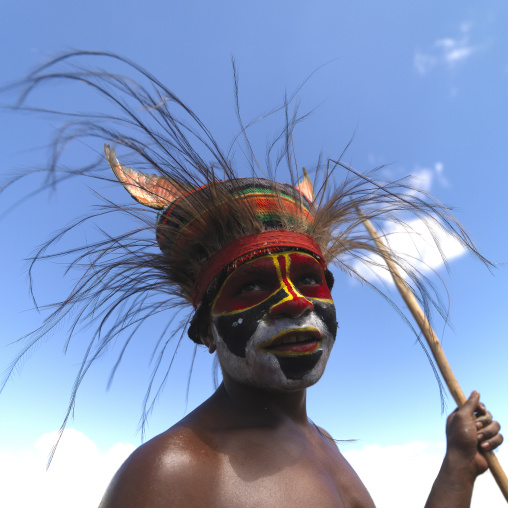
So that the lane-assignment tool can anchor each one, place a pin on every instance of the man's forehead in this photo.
(265, 263)
(276, 273)
(244, 249)
(269, 262)
(270, 259)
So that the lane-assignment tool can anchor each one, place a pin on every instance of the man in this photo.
(252, 257)
(265, 308)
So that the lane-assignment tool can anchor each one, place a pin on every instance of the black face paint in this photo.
(295, 367)
(327, 313)
(237, 329)
(242, 315)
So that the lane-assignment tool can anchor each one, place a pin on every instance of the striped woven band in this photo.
(269, 203)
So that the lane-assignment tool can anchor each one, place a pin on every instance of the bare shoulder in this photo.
(169, 470)
(351, 487)
(327, 436)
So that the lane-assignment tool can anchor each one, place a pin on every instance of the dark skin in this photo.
(248, 446)
(244, 447)
(469, 430)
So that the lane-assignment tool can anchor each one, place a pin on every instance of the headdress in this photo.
(209, 217)
(206, 232)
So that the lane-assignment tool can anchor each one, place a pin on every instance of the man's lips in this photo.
(296, 341)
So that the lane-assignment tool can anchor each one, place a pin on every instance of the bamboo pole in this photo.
(434, 344)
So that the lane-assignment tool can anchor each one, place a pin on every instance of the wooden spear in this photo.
(434, 344)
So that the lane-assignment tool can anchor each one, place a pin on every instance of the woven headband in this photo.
(262, 242)
(277, 217)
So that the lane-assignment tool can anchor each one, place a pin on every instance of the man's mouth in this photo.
(291, 342)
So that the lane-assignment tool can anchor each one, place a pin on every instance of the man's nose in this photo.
(294, 305)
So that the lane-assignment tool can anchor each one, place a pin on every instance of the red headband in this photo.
(270, 239)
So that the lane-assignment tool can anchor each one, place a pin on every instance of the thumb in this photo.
(471, 404)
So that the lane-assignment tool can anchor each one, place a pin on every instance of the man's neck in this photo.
(261, 406)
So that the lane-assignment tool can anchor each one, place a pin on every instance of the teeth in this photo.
(294, 339)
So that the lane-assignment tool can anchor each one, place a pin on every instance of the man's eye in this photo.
(309, 280)
(251, 288)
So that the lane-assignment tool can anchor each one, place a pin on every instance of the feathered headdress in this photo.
(207, 231)
(209, 219)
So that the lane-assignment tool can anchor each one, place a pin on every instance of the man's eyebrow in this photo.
(248, 269)
(308, 264)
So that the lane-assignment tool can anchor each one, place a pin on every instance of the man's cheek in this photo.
(237, 329)
(326, 311)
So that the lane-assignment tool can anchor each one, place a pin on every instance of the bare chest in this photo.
(292, 487)
(286, 475)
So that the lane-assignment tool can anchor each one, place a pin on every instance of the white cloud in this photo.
(423, 178)
(77, 477)
(421, 245)
(396, 476)
(447, 51)
(416, 244)
(402, 476)
(454, 50)
(424, 62)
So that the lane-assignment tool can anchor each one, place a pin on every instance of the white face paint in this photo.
(282, 354)
(274, 323)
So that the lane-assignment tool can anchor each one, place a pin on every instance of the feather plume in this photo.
(125, 279)
(149, 190)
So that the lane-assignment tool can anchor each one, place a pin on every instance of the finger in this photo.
(483, 420)
(489, 431)
(493, 443)
(481, 409)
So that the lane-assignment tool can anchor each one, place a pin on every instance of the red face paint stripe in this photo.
(239, 307)
(283, 261)
(275, 238)
(294, 296)
(276, 273)
(234, 304)
(303, 265)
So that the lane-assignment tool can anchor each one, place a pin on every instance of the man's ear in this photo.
(206, 336)
(330, 279)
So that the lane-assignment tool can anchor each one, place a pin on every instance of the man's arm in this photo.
(468, 429)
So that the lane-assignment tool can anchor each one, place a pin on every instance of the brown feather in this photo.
(149, 190)
(124, 279)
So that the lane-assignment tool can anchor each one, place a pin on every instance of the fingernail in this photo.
(479, 425)
(481, 437)
(485, 445)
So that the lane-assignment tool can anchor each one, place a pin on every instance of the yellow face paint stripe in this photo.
(294, 353)
(233, 312)
(281, 286)
(291, 331)
(284, 285)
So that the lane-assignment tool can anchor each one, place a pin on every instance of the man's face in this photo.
(274, 323)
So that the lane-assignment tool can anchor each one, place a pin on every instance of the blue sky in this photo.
(422, 86)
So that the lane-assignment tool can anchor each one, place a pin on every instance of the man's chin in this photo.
(295, 385)
(278, 382)
(278, 370)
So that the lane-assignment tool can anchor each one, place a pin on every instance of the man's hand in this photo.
(470, 429)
